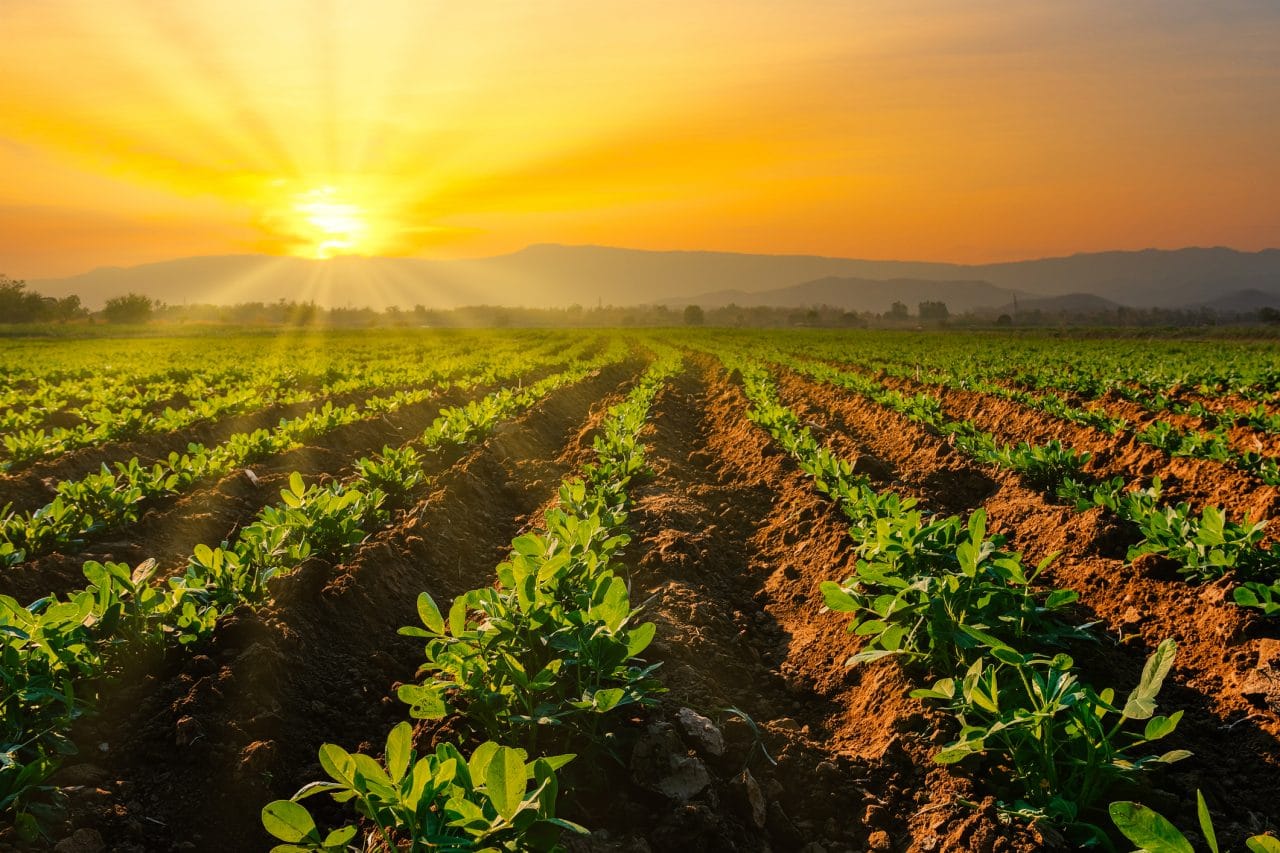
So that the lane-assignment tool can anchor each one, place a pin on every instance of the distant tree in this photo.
(1267, 314)
(1004, 320)
(16, 305)
(934, 311)
(19, 305)
(130, 308)
(898, 311)
(693, 315)
(69, 308)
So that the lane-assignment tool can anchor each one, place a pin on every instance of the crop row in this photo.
(110, 418)
(942, 595)
(55, 649)
(1165, 375)
(533, 664)
(107, 499)
(1203, 546)
(122, 401)
(1213, 445)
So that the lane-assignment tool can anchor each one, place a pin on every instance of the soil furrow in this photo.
(1202, 482)
(213, 513)
(34, 485)
(1227, 672)
(196, 751)
(735, 544)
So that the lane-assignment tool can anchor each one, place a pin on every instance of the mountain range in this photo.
(552, 275)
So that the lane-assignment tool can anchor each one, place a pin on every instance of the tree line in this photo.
(22, 306)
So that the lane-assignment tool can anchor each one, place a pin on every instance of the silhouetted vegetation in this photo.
(130, 308)
(19, 305)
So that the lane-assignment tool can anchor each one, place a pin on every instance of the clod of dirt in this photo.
(1262, 686)
(661, 764)
(257, 756)
(746, 787)
(700, 733)
(81, 774)
(187, 731)
(1156, 566)
(81, 841)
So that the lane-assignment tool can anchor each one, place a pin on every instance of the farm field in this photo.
(639, 590)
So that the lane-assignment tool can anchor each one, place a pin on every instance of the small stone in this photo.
(701, 732)
(878, 840)
(756, 804)
(687, 779)
(786, 724)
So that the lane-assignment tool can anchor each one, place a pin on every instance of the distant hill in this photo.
(862, 294)
(1244, 301)
(554, 275)
(1067, 303)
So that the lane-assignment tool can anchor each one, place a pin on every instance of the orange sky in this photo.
(140, 130)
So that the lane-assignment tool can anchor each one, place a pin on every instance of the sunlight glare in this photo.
(330, 224)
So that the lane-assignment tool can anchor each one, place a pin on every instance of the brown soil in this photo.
(196, 747)
(733, 543)
(173, 526)
(1218, 403)
(730, 542)
(1242, 439)
(1227, 674)
(1201, 482)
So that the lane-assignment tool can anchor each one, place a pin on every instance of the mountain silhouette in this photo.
(551, 275)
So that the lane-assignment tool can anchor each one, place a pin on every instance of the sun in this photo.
(330, 224)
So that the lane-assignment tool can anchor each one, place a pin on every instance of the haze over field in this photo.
(960, 132)
(558, 276)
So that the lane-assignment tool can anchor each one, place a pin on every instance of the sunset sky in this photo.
(141, 130)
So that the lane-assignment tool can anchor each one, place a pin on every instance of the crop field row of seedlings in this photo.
(651, 590)
(42, 418)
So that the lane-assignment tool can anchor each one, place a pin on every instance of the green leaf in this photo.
(1263, 844)
(429, 613)
(505, 780)
(1206, 822)
(425, 703)
(639, 638)
(607, 699)
(1141, 703)
(836, 598)
(952, 755)
(399, 750)
(287, 820)
(338, 763)
(340, 837)
(479, 762)
(1151, 832)
(1061, 598)
(1158, 727)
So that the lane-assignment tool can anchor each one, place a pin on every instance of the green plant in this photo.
(1050, 732)
(934, 592)
(1154, 834)
(1042, 466)
(492, 800)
